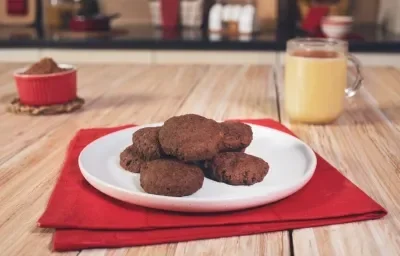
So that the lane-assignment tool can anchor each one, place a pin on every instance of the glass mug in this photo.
(315, 79)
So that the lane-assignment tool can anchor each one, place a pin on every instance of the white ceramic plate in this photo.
(292, 164)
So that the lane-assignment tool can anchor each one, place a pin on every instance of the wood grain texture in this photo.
(364, 144)
(32, 148)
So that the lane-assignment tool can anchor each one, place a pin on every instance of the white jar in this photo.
(215, 18)
(155, 12)
(246, 20)
(191, 13)
(389, 15)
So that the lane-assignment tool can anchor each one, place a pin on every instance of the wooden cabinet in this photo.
(28, 17)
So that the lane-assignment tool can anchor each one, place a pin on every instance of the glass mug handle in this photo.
(353, 88)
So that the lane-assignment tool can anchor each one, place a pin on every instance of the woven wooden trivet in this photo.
(15, 106)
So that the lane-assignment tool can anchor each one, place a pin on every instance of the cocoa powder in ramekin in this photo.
(44, 66)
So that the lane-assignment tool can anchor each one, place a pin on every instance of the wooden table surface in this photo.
(364, 144)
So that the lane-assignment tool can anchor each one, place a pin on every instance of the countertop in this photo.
(367, 38)
(363, 144)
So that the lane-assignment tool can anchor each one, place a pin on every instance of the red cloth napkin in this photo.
(85, 218)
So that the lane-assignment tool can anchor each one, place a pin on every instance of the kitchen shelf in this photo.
(370, 39)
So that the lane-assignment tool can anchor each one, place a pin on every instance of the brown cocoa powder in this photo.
(44, 66)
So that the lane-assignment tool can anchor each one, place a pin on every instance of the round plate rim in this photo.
(142, 196)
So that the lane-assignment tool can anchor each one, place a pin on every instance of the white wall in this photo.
(171, 57)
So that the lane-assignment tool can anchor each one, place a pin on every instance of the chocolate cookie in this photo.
(237, 136)
(170, 177)
(146, 144)
(130, 161)
(235, 168)
(191, 137)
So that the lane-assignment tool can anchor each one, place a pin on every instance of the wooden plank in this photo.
(383, 88)
(364, 145)
(142, 94)
(234, 92)
(32, 128)
(28, 177)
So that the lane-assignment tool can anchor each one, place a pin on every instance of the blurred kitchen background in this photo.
(195, 25)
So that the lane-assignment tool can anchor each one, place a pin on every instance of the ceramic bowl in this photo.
(46, 89)
(336, 26)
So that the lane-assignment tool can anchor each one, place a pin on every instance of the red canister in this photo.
(170, 13)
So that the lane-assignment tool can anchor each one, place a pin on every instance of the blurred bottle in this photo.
(59, 12)
(215, 18)
(389, 16)
(247, 19)
(191, 13)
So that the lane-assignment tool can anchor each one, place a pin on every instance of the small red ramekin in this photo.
(47, 89)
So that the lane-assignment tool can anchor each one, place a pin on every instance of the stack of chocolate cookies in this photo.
(174, 159)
